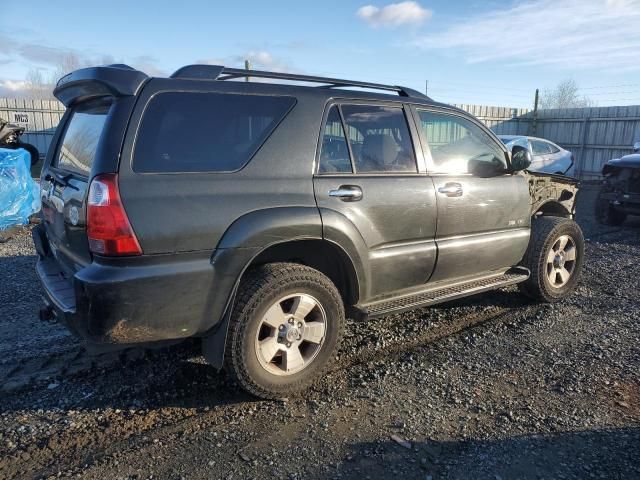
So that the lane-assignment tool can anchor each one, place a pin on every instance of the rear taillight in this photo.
(108, 227)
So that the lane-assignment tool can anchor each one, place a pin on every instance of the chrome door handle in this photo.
(451, 189)
(347, 193)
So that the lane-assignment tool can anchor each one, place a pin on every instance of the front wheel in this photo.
(554, 257)
(285, 329)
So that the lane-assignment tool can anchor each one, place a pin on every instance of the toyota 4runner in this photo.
(256, 215)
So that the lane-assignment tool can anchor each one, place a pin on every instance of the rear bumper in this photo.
(140, 299)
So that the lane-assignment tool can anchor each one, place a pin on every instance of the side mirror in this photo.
(636, 147)
(520, 158)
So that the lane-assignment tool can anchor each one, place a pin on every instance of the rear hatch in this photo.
(65, 182)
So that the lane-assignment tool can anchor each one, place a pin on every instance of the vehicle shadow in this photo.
(134, 378)
(598, 453)
(156, 377)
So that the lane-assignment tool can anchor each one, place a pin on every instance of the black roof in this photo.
(123, 80)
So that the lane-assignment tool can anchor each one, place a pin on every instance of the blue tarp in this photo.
(19, 193)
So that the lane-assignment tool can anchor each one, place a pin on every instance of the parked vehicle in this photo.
(620, 191)
(546, 156)
(10, 138)
(257, 215)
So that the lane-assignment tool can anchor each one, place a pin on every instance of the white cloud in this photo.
(147, 64)
(394, 15)
(211, 61)
(569, 34)
(259, 59)
(13, 88)
(619, 3)
(53, 58)
(13, 85)
(265, 60)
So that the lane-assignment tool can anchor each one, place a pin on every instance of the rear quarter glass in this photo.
(81, 137)
(189, 132)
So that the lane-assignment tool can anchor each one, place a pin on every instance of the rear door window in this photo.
(205, 132)
(81, 137)
(379, 138)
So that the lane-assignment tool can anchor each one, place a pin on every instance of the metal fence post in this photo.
(583, 144)
(534, 126)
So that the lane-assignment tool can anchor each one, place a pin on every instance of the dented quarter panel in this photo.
(547, 188)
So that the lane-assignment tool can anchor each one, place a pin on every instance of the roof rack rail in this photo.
(220, 72)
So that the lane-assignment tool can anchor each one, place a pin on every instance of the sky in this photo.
(481, 52)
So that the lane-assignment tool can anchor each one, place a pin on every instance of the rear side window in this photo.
(80, 141)
(205, 132)
(542, 148)
(334, 154)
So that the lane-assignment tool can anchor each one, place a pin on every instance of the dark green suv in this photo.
(256, 215)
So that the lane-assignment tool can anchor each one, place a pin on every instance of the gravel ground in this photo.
(489, 387)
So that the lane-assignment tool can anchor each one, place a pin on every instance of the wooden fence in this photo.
(594, 135)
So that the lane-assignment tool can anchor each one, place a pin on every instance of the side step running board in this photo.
(442, 294)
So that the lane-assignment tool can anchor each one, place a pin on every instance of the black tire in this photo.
(545, 231)
(34, 155)
(33, 152)
(258, 291)
(607, 215)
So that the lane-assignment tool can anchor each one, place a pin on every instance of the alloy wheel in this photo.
(291, 334)
(561, 261)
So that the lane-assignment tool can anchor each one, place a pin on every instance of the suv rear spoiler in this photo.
(87, 83)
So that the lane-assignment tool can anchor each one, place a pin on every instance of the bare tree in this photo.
(565, 95)
(67, 64)
(37, 86)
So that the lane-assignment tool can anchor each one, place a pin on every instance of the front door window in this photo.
(458, 146)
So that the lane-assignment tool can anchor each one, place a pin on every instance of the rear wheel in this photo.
(554, 257)
(607, 215)
(285, 328)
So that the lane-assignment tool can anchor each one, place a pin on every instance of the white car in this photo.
(547, 156)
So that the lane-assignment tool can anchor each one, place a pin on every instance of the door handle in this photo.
(451, 189)
(347, 193)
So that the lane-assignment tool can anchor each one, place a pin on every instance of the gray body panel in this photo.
(484, 229)
(396, 223)
(202, 206)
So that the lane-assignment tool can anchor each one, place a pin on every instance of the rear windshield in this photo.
(205, 132)
(81, 138)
